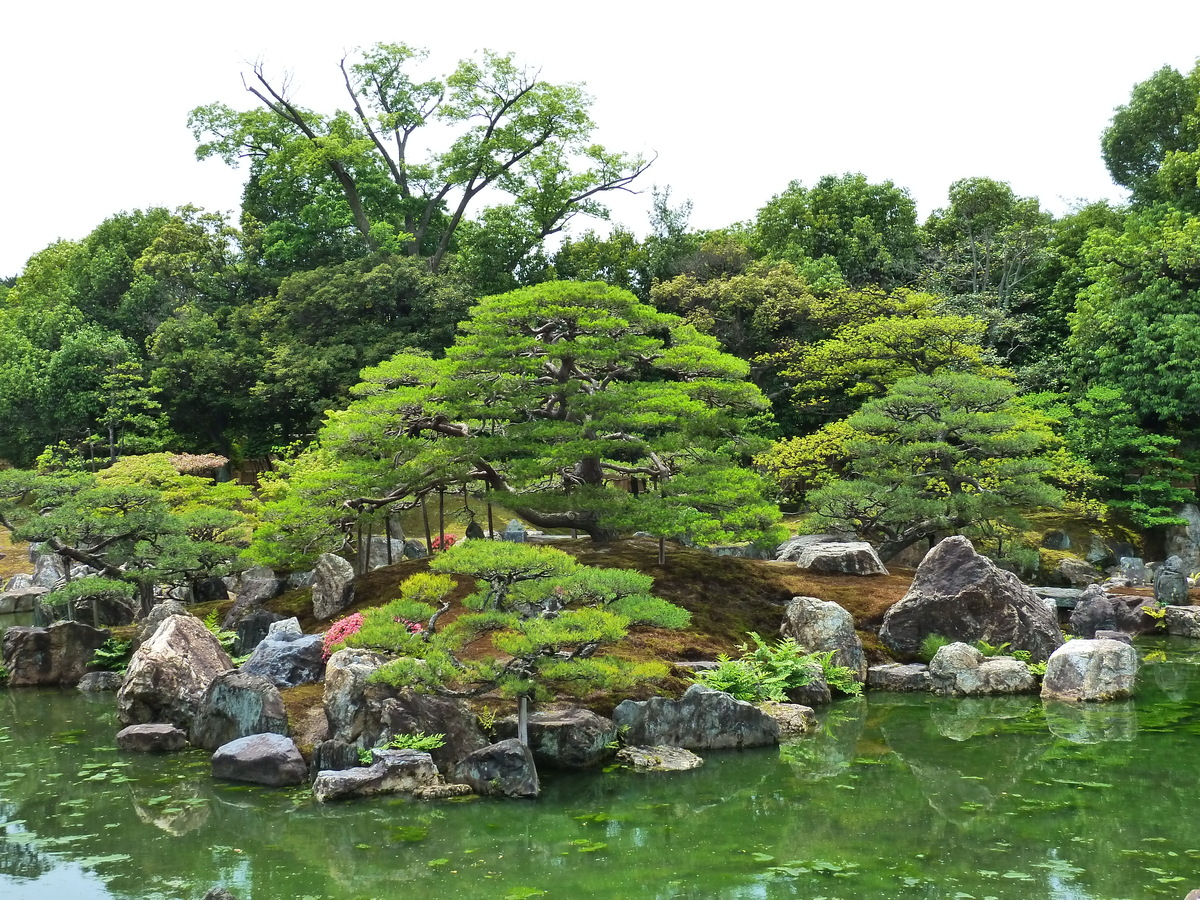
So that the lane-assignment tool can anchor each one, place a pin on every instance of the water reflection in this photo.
(1092, 723)
(833, 747)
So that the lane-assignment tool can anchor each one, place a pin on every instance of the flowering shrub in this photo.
(413, 627)
(443, 542)
(339, 631)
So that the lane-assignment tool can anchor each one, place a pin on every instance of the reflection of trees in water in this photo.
(1174, 678)
(20, 860)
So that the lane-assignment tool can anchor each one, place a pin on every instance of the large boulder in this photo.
(701, 719)
(1183, 541)
(504, 769)
(391, 772)
(48, 569)
(236, 705)
(346, 675)
(158, 614)
(789, 550)
(152, 738)
(169, 673)
(287, 657)
(1183, 620)
(101, 682)
(269, 759)
(1090, 670)
(820, 625)
(252, 629)
(899, 678)
(1170, 583)
(962, 671)
(253, 588)
(409, 712)
(964, 596)
(840, 558)
(333, 586)
(375, 553)
(1098, 610)
(57, 655)
(566, 739)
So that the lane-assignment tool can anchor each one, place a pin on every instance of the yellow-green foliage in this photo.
(802, 464)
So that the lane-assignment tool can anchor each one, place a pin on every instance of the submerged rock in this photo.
(964, 596)
(659, 759)
(391, 772)
(1090, 670)
(269, 759)
(702, 719)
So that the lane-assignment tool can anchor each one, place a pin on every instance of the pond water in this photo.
(895, 797)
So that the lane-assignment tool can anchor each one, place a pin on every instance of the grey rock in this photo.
(1084, 670)
(789, 550)
(1134, 571)
(659, 759)
(297, 580)
(252, 629)
(898, 678)
(19, 582)
(288, 660)
(504, 769)
(219, 893)
(21, 599)
(209, 590)
(158, 614)
(1056, 540)
(514, 532)
(151, 738)
(793, 719)
(346, 676)
(1098, 610)
(333, 586)
(375, 554)
(53, 656)
(48, 569)
(409, 712)
(236, 705)
(334, 756)
(815, 692)
(285, 629)
(442, 791)
(1121, 636)
(849, 558)
(701, 719)
(1170, 583)
(1077, 572)
(819, 625)
(391, 772)
(566, 739)
(960, 670)
(962, 595)
(269, 759)
(101, 682)
(169, 673)
(1183, 621)
(414, 549)
(1183, 541)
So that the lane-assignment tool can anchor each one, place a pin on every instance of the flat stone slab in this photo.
(392, 772)
(659, 759)
(898, 678)
(1063, 597)
(153, 738)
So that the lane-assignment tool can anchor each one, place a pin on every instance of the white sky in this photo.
(737, 98)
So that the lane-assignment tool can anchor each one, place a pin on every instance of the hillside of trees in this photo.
(384, 327)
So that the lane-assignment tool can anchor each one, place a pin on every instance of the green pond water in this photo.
(895, 797)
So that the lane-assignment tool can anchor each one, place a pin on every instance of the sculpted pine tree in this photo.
(573, 404)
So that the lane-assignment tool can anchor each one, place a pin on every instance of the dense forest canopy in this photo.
(384, 321)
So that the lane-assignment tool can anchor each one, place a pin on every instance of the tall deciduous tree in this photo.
(512, 133)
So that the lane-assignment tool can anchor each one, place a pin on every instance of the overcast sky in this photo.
(737, 99)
